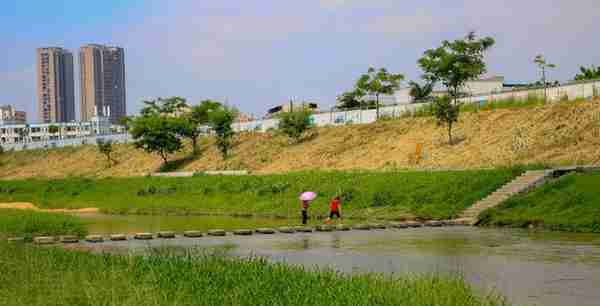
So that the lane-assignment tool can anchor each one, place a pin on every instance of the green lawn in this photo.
(52, 276)
(427, 195)
(28, 224)
(572, 203)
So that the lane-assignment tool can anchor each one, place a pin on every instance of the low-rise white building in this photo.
(9, 115)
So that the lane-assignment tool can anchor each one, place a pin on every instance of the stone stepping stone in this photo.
(266, 231)
(286, 230)
(362, 227)
(378, 226)
(69, 239)
(341, 227)
(242, 232)
(44, 240)
(434, 223)
(303, 229)
(193, 234)
(16, 239)
(398, 225)
(143, 236)
(325, 228)
(414, 224)
(166, 234)
(217, 232)
(94, 238)
(117, 237)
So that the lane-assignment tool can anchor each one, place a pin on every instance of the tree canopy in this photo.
(592, 73)
(295, 123)
(420, 93)
(378, 82)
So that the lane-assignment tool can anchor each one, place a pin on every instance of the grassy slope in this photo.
(565, 133)
(28, 224)
(571, 204)
(437, 195)
(35, 276)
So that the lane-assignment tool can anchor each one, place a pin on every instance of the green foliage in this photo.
(169, 106)
(220, 119)
(34, 276)
(295, 123)
(421, 93)
(446, 114)
(428, 195)
(53, 129)
(350, 100)
(105, 147)
(156, 134)
(27, 224)
(592, 73)
(569, 204)
(455, 63)
(377, 83)
(198, 115)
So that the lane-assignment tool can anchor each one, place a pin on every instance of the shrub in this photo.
(295, 123)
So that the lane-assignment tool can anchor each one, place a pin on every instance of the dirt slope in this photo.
(558, 134)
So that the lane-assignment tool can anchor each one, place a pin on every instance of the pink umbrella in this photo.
(308, 196)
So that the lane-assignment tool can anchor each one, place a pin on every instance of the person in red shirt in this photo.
(335, 209)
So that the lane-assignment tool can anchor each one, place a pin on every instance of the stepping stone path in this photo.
(286, 230)
(243, 232)
(341, 227)
(267, 231)
(192, 234)
(362, 227)
(94, 238)
(118, 237)
(378, 226)
(166, 235)
(434, 223)
(44, 240)
(325, 228)
(413, 224)
(143, 236)
(398, 225)
(69, 239)
(217, 232)
(303, 229)
(16, 239)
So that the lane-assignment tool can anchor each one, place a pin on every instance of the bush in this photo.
(295, 123)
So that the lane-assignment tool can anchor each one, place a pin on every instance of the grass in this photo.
(568, 204)
(421, 194)
(44, 276)
(28, 224)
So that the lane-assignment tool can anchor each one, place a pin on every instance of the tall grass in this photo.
(29, 223)
(568, 204)
(35, 276)
(427, 195)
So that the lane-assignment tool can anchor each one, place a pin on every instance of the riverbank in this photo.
(567, 204)
(390, 195)
(28, 224)
(35, 276)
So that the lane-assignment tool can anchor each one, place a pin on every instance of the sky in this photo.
(256, 54)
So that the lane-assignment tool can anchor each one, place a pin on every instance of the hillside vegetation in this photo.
(564, 133)
(390, 195)
(568, 204)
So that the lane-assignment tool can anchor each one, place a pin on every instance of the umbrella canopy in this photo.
(308, 196)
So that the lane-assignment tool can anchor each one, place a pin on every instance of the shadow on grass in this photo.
(177, 164)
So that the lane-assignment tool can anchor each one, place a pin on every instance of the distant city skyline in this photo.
(258, 54)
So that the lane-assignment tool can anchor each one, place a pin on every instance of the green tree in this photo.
(543, 65)
(350, 99)
(295, 123)
(125, 121)
(420, 93)
(453, 64)
(156, 134)
(164, 106)
(446, 114)
(53, 129)
(220, 120)
(198, 115)
(592, 73)
(377, 83)
(105, 147)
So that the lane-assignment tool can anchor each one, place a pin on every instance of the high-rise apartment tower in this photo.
(55, 85)
(102, 76)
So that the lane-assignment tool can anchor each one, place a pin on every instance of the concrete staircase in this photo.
(523, 183)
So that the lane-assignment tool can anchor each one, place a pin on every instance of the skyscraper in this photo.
(55, 85)
(102, 72)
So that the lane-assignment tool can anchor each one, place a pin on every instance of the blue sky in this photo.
(258, 53)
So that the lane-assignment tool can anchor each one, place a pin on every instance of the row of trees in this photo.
(163, 125)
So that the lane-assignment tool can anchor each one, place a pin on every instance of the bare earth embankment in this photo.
(560, 134)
